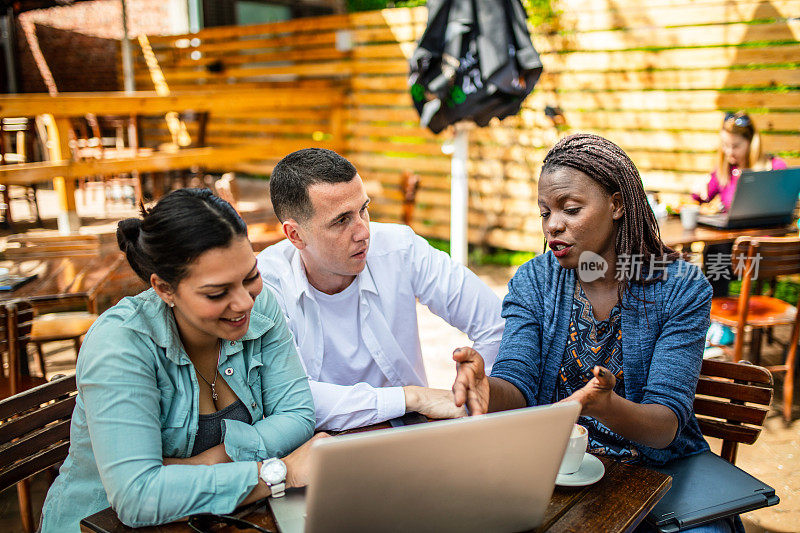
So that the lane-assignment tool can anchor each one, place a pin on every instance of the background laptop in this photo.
(494, 472)
(762, 198)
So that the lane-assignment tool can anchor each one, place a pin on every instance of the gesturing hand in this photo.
(594, 396)
(471, 386)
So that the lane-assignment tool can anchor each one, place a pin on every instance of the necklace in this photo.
(212, 384)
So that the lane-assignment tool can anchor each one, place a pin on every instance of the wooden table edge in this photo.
(650, 503)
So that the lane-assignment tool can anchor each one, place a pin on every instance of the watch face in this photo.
(273, 471)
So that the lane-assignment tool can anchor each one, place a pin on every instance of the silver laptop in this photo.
(493, 472)
(762, 198)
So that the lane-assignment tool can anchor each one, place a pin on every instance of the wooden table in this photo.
(617, 503)
(673, 234)
(65, 281)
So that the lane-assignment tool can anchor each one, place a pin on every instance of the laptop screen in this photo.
(768, 193)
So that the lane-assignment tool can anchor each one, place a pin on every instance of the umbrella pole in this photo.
(459, 195)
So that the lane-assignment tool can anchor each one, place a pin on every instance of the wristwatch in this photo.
(273, 472)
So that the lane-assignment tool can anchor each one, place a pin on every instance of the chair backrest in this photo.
(16, 140)
(34, 429)
(731, 403)
(765, 257)
(16, 322)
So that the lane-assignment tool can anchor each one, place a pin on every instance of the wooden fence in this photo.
(652, 76)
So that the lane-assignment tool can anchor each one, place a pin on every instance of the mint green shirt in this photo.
(138, 403)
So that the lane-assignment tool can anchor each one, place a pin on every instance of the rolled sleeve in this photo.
(391, 402)
(519, 360)
(341, 407)
(678, 355)
(242, 441)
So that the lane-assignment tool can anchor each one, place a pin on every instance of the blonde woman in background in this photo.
(739, 149)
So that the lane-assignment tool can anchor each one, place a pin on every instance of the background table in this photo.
(673, 234)
(65, 281)
(616, 503)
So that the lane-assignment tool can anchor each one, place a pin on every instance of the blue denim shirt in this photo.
(138, 403)
(664, 326)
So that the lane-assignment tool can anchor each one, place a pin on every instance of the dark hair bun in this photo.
(128, 232)
(179, 228)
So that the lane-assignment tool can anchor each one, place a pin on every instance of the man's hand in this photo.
(432, 403)
(471, 387)
(595, 395)
(298, 463)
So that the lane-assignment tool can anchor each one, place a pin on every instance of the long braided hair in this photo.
(609, 165)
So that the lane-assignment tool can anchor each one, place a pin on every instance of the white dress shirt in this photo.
(401, 268)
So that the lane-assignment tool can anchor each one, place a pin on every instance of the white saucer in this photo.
(591, 471)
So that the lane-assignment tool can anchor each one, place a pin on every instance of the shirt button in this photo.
(228, 371)
(233, 343)
(253, 405)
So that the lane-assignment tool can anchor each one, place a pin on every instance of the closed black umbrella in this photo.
(475, 61)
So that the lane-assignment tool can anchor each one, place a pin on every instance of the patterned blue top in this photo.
(663, 326)
(594, 342)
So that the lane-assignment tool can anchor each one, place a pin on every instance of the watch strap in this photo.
(277, 490)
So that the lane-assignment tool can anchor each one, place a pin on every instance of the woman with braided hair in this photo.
(610, 316)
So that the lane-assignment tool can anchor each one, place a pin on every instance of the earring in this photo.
(172, 304)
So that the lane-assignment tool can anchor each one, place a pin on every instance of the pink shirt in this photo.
(726, 193)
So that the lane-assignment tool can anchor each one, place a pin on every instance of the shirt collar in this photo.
(366, 282)
(364, 279)
(155, 320)
(299, 276)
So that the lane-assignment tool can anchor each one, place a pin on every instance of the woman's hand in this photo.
(471, 386)
(298, 463)
(212, 456)
(595, 396)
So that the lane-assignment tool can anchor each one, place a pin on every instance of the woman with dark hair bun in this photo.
(191, 396)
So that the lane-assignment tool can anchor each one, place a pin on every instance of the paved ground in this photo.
(774, 458)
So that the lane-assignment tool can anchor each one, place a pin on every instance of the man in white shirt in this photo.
(348, 289)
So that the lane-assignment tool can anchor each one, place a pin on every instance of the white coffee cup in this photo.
(576, 449)
(689, 216)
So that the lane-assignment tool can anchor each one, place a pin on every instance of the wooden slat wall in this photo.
(652, 76)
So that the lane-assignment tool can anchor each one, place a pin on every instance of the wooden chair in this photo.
(108, 137)
(34, 436)
(227, 188)
(65, 326)
(17, 145)
(16, 323)
(409, 186)
(731, 403)
(758, 258)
